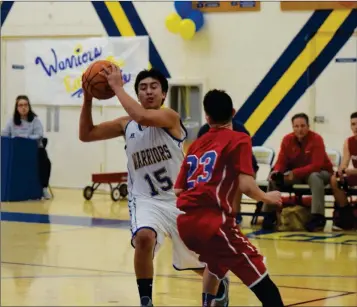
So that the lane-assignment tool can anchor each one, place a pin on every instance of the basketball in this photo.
(96, 84)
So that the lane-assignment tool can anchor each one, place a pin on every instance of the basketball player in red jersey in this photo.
(216, 168)
(345, 220)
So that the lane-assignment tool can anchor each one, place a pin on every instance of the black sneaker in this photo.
(316, 223)
(270, 220)
(343, 218)
(223, 301)
(146, 302)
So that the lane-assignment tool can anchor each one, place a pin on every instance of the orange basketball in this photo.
(96, 84)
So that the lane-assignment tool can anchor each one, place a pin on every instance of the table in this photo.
(19, 170)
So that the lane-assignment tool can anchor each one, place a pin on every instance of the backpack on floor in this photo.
(294, 215)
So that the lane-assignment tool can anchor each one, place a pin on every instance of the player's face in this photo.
(23, 107)
(354, 126)
(150, 93)
(300, 127)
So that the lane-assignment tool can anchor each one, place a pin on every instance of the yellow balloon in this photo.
(172, 22)
(187, 29)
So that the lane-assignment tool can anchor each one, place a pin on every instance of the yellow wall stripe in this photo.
(120, 19)
(295, 71)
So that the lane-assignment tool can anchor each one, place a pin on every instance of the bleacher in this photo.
(265, 158)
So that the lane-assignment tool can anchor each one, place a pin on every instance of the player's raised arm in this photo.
(151, 95)
(88, 132)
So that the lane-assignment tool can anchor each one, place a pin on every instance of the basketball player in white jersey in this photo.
(154, 138)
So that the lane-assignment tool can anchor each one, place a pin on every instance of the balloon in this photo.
(172, 22)
(187, 29)
(183, 8)
(197, 17)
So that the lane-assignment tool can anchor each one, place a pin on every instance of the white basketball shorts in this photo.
(160, 217)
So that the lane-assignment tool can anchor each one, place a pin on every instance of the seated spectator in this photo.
(26, 124)
(348, 175)
(302, 159)
(239, 127)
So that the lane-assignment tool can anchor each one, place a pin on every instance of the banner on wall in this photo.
(54, 68)
(317, 5)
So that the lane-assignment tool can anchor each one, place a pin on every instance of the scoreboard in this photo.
(226, 6)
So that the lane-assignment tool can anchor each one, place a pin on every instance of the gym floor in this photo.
(72, 252)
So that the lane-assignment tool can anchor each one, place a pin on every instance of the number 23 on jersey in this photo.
(197, 174)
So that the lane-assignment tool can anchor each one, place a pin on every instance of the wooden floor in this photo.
(68, 252)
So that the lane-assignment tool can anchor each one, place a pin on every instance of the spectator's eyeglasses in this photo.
(23, 105)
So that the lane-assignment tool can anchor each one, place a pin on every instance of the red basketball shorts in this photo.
(224, 248)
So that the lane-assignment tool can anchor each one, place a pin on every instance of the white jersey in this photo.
(154, 161)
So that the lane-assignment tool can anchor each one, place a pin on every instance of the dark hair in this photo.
(152, 73)
(30, 116)
(300, 115)
(218, 106)
(354, 115)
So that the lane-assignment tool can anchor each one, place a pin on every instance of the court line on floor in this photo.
(178, 277)
(121, 272)
(62, 276)
(159, 275)
(348, 242)
(63, 230)
(59, 267)
(91, 222)
(118, 274)
(321, 299)
(279, 286)
(315, 276)
(37, 218)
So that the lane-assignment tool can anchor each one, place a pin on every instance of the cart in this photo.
(117, 192)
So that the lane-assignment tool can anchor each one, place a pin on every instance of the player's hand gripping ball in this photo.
(114, 76)
(95, 82)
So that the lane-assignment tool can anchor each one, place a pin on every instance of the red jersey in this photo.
(352, 148)
(209, 172)
(303, 158)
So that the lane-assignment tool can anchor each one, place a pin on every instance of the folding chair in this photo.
(265, 158)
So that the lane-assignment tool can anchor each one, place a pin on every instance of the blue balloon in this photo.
(183, 8)
(197, 17)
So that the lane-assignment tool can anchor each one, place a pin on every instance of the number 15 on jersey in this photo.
(162, 179)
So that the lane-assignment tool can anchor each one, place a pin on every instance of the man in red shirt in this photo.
(302, 159)
(217, 167)
(345, 218)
